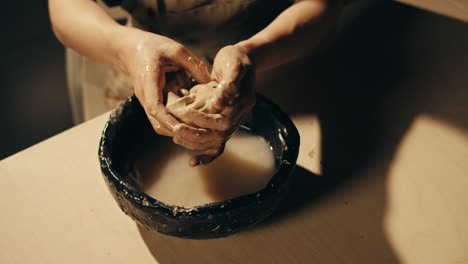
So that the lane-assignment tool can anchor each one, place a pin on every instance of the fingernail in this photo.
(194, 162)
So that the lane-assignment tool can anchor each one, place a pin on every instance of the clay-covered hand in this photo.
(150, 59)
(195, 107)
(234, 96)
(220, 106)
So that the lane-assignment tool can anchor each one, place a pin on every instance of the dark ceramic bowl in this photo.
(126, 125)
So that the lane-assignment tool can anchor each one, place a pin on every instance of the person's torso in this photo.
(204, 25)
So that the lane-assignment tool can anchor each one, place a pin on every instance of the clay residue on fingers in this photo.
(195, 106)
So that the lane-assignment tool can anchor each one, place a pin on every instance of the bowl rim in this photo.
(287, 164)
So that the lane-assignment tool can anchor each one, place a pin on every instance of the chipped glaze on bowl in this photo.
(205, 221)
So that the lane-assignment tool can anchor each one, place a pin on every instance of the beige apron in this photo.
(203, 26)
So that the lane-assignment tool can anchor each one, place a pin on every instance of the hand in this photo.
(235, 75)
(229, 104)
(195, 108)
(149, 59)
(234, 96)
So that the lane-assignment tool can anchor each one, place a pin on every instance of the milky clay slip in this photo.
(163, 171)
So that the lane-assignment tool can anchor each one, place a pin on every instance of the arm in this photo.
(84, 26)
(295, 32)
(147, 58)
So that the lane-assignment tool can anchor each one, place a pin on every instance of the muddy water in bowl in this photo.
(163, 170)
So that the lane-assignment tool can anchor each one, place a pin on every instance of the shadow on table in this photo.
(230, 249)
(367, 93)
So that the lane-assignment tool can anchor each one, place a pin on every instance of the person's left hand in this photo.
(234, 97)
(235, 75)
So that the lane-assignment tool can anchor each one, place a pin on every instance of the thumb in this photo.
(226, 94)
(193, 65)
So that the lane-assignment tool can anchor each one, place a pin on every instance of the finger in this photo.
(227, 64)
(225, 94)
(192, 64)
(161, 130)
(186, 143)
(223, 121)
(153, 101)
(193, 145)
(204, 138)
(207, 120)
(207, 157)
(240, 108)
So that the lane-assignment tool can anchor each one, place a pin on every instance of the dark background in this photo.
(34, 96)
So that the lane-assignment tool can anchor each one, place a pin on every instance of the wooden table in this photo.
(393, 126)
(56, 209)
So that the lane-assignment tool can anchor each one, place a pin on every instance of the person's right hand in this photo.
(148, 57)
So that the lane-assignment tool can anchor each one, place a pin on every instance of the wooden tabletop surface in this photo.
(56, 208)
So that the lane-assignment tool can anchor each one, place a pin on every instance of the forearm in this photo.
(85, 27)
(295, 32)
